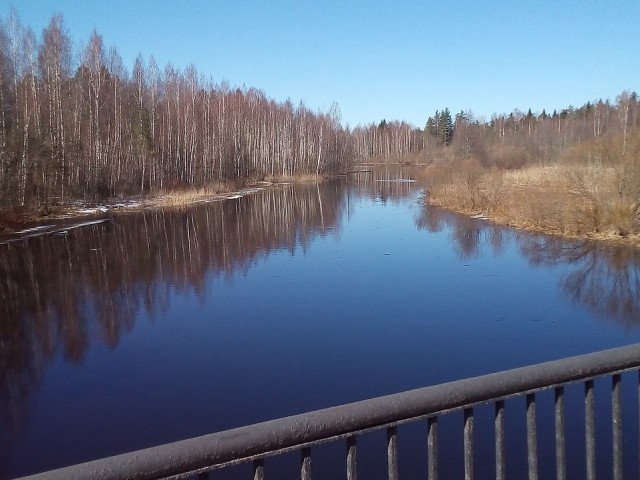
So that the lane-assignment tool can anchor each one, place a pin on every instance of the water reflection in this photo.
(58, 293)
(604, 278)
(386, 183)
(468, 235)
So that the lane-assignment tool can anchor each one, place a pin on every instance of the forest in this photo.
(81, 127)
(89, 129)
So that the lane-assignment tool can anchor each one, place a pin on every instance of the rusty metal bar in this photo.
(561, 458)
(500, 446)
(468, 444)
(589, 430)
(432, 448)
(532, 437)
(272, 437)
(392, 452)
(352, 463)
(258, 469)
(616, 416)
(305, 464)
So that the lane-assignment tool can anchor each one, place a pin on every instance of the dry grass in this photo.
(298, 178)
(180, 197)
(570, 200)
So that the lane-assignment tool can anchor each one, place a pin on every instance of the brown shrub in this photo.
(510, 158)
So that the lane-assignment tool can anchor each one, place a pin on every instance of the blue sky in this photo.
(377, 59)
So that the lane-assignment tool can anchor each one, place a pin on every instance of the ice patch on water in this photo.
(397, 180)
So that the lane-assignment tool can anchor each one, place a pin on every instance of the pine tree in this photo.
(446, 130)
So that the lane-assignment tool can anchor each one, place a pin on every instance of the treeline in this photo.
(598, 132)
(89, 129)
(387, 141)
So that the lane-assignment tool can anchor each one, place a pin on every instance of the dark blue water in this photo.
(164, 325)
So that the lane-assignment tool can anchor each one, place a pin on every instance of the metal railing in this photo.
(256, 443)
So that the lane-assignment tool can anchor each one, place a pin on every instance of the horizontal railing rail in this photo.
(253, 443)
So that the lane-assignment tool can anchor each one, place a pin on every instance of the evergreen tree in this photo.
(446, 130)
(441, 127)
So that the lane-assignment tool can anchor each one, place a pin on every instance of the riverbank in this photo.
(22, 223)
(578, 202)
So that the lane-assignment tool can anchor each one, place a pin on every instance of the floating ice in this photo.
(397, 180)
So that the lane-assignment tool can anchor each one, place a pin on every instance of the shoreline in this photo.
(78, 213)
(605, 238)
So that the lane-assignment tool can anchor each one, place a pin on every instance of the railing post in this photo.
(352, 464)
(392, 452)
(305, 468)
(432, 448)
(616, 415)
(589, 430)
(561, 467)
(500, 450)
(532, 437)
(468, 444)
(258, 469)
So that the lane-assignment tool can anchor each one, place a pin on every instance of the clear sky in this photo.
(377, 59)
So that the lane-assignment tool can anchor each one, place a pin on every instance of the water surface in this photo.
(163, 325)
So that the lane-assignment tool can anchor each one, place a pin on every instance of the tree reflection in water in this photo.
(468, 235)
(60, 293)
(604, 278)
(385, 183)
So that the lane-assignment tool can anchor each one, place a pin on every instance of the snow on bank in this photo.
(81, 208)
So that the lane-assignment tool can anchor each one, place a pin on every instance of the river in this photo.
(161, 325)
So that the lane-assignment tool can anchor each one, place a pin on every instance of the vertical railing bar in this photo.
(616, 416)
(432, 448)
(561, 459)
(589, 429)
(352, 463)
(500, 446)
(392, 453)
(258, 469)
(468, 444)
(532, 440)
(305, 468)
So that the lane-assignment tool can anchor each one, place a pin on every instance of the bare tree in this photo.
(54, 63)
